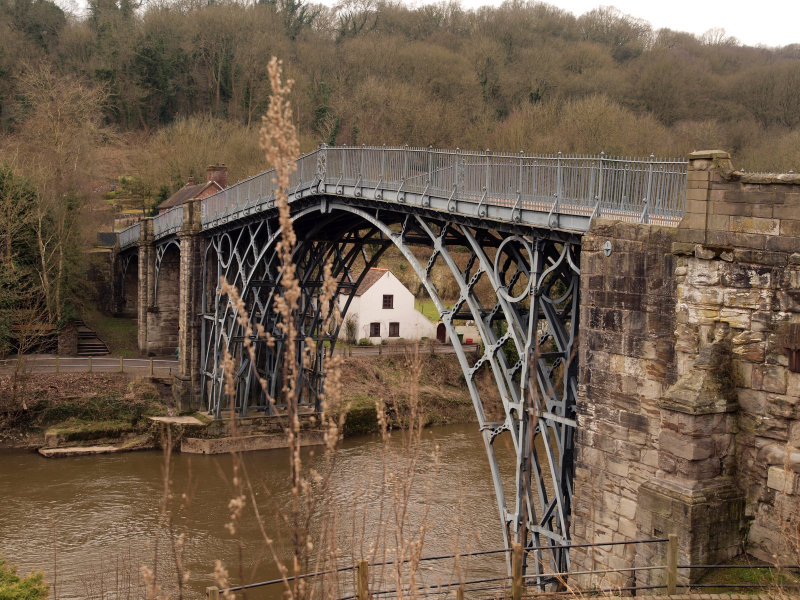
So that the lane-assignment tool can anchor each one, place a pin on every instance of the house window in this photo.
(374, 330)
(394, 329)
(388, 301)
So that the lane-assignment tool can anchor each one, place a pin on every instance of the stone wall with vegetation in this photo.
(703, 440)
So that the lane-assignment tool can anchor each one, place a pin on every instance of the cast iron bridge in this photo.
(506, 228)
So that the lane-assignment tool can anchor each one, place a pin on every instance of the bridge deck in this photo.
(550, 191)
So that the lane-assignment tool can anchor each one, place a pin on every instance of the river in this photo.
(89, 523)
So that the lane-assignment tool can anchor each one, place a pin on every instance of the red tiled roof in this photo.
(369, 280)
(187, 192)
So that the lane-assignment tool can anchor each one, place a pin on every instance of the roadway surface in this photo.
(48, 363)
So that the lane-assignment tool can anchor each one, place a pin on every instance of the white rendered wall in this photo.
(368, 308)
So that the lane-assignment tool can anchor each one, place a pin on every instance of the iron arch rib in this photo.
(516, 284)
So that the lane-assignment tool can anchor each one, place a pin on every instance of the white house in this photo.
(383, 309)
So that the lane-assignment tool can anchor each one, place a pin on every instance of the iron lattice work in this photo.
(517, 284)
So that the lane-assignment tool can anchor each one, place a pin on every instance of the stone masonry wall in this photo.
(186, 388)
(689, 417)
(739, 265)
(627, 361)
(163, 317)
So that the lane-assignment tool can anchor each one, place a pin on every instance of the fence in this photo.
(90, 364)
(168, 222)
(130, 235)
(429, 346)
(642, 189)
(517, 580)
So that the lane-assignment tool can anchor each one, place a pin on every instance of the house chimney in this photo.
(190, 180)
(218, 173)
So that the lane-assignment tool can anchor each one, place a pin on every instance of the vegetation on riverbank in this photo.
(443, 395)
(14, 587)
(79, 407)
(75, 406)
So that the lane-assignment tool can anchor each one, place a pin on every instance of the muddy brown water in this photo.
(89, 523)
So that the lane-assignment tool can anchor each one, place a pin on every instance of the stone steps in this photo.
(88, 342)
(61, 444)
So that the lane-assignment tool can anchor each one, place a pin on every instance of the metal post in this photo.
(459, 174)
(325, 174)
(383, 165)
(362, 573)
(600, 182)
(212, 593)
(558, 179)
(516, 571)
(58, 364)
(646, 211)
(672, 564)
(486, 183)
(151, 367)
(121, 365)
(90, 364)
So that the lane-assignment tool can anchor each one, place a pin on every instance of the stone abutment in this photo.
(688, 413)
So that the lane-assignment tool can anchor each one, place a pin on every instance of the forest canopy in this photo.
(525, 75)
(143, 96)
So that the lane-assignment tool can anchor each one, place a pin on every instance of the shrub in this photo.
(12, 587)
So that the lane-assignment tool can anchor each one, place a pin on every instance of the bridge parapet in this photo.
(168, 222)
(533, 189)
(129, 236)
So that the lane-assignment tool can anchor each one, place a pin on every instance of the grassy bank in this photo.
(74, 406)
(79, 407)
(444, 398)
(119, 333)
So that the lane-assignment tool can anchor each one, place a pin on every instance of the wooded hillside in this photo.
(522, 76)
(155, 93)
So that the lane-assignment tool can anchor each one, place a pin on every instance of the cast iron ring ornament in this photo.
(502, 288)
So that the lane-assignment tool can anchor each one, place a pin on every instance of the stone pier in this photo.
(168, 300)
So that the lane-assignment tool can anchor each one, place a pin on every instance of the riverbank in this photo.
(77, 408)
(81, 409)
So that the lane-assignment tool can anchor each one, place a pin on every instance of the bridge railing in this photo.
(258, 189)
(646, 189)
(168, 222)
(130, 235)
